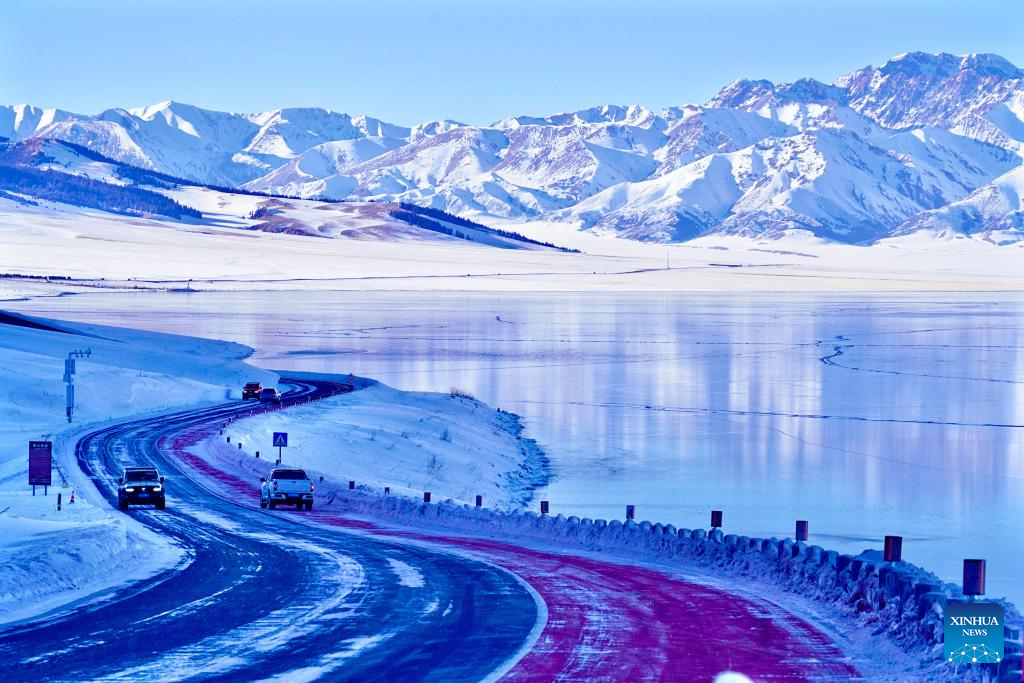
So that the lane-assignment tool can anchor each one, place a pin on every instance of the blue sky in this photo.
(476, 62)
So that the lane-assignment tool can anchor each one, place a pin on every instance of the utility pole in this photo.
(69, 377)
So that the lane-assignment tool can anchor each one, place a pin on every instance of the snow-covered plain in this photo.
(115, 252)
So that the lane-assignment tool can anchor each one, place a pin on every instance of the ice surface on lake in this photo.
(866, 415)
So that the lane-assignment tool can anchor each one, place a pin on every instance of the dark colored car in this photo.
(270, 395)
(251, 390)
(140, 486)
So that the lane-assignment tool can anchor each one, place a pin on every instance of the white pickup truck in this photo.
(288, 486)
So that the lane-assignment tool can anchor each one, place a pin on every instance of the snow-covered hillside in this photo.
(49, 173)
(882, 151)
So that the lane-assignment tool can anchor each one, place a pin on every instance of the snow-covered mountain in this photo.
(211, 147)
(923, 142)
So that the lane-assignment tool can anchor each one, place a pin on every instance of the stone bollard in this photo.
(893, 549)
(229, 439)
(351, 485)
(544, 507)
(630, 512)
(479, 501)
(426, 496)
(716, 519)
(801, 530)
(974, 577)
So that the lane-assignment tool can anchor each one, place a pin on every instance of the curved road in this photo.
(318, 595)
(264, 597)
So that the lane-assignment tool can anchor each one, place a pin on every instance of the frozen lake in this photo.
(866, 415)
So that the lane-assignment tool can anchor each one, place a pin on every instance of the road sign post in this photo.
(69, 378)
(40, 465)
(280, 441)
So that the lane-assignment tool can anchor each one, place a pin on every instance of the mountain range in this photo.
(923, 142)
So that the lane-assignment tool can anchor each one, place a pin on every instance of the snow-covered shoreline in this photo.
(449, 444)
(858, 599)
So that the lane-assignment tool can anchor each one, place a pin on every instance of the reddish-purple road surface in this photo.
(613, 622)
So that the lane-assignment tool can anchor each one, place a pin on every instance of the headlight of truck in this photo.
(130, 490)
(157, 488)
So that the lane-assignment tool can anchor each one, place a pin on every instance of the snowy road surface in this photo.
(299, 596)
(265, 597)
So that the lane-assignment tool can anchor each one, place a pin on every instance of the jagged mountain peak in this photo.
(944, 64)
(635, 115)
(741, 94)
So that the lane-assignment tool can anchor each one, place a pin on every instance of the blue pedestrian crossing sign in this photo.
(280, 439)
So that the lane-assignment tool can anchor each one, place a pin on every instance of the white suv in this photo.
(288, 486)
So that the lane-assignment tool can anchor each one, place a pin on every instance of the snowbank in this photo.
(454, 446)
(48, 558)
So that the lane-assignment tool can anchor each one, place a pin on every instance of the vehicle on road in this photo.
(141, 486)
(251, 390)
(270, 395)
(286, 486)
